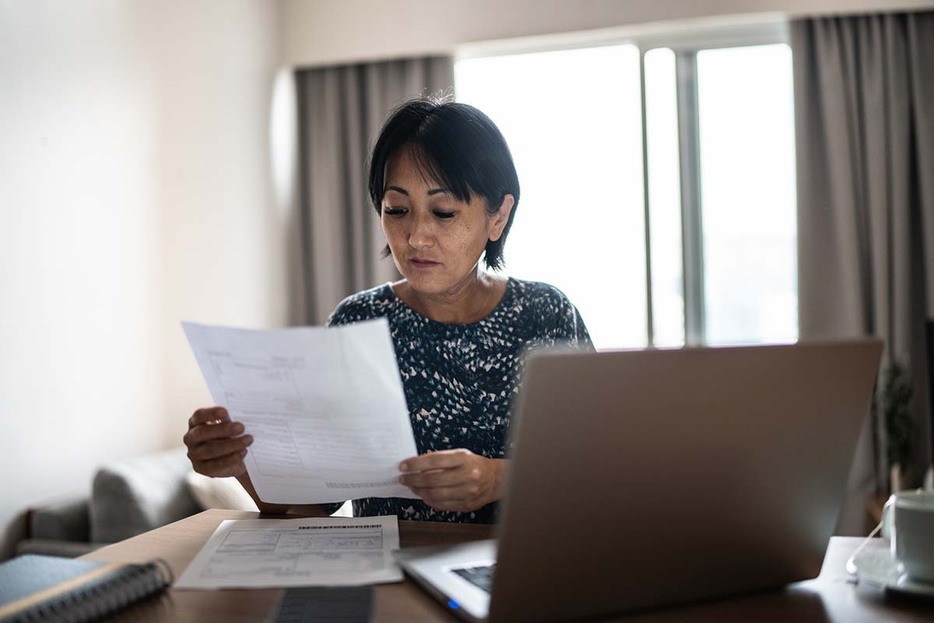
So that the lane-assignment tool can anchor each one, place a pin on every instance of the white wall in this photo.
(323, 32)
(135, 191)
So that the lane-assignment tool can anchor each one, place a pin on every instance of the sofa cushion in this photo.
(219, 492)
(61, 520)
(134, 495)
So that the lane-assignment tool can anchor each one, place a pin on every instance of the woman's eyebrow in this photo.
(433, 191)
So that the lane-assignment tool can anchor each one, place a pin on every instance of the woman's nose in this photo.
(422, 234)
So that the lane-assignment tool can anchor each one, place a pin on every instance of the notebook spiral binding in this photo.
(107, 594)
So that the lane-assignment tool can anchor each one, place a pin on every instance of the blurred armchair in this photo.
(128, 497)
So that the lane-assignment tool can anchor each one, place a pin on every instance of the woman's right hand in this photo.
(216, 445)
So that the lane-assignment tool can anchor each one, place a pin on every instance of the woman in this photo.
(443, 182)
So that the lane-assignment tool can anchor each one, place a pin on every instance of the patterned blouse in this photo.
(460, 379)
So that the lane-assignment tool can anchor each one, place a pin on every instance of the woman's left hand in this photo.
(454, 480)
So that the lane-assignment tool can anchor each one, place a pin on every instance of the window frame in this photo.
(685, 42)
(686, 46)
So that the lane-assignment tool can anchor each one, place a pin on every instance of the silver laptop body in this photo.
(655, 477)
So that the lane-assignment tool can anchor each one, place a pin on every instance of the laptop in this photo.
(649, 478)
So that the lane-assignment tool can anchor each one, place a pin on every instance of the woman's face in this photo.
(436, 240)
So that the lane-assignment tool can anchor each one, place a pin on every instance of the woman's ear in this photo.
(501, 217)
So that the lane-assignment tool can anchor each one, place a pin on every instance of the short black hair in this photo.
(456, 145)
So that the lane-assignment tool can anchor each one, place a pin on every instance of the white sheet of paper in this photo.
(325, 407)
(313, 551)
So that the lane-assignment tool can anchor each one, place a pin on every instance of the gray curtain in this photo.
(864, 106)
(340, 111)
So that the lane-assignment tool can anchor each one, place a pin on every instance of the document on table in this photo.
(273, 553)
(325, 407)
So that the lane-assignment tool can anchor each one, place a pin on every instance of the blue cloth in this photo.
(460, 379)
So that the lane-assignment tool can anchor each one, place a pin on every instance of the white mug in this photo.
(908, 521)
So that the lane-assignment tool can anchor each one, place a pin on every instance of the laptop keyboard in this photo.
(480, 576)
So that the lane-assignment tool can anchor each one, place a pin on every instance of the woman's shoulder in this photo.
(364, 305)
(544, 309)
(538, 294)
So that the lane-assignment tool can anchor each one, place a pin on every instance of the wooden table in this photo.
(828, 598)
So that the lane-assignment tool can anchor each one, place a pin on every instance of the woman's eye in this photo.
(393, 211)
(443, 214)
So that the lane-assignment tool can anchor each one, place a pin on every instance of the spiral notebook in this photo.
(49, 588)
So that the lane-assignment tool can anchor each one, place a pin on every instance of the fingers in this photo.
(445, 468)
(206, 432)
(230, 465)
(460, 493)
(442, 459)
(216, 445)
(208, 415)
(216, 461)
(450, 477)
(455, 480)
(460, 499)
(219, 448)
(450, 480)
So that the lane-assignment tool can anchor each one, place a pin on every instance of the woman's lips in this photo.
(420, 263)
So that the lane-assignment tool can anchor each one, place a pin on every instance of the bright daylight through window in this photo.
(715, 170)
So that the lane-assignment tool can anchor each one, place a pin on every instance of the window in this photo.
(748, 193)
(576, 140)
(658, 185)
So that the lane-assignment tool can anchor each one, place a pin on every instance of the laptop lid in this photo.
(648, 478)
(643, 478)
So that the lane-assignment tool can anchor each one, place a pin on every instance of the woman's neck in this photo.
(471, 301)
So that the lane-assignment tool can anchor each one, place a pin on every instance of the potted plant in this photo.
(894, 404)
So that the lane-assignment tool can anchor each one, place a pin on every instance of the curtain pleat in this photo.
(864, 106)
(341, 110)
